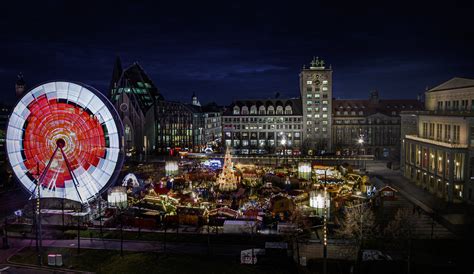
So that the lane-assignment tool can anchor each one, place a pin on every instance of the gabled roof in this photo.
(134, 80)
(454, 83)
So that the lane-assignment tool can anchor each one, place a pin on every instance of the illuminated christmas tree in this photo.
(227, 181)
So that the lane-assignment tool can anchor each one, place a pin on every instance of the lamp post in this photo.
(122, 206)
(118, 197)
(360, 141)
(283, 143)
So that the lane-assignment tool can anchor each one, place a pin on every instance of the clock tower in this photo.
(316, 98)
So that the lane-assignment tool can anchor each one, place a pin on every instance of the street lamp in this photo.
(360, 141)
(283, 143)
(118, 197)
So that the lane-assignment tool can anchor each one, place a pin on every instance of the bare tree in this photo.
(402, 225)
(359, 223)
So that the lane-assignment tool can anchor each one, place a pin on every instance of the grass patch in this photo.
(109, 261)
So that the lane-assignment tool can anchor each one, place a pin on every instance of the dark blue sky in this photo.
(229, 50)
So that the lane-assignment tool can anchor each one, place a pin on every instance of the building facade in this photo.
(370, 126)
(212, 125)
(151, 124)
(438, 147)
(263, 126)
(316, 100)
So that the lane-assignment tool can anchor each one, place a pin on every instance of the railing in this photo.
(434, 142)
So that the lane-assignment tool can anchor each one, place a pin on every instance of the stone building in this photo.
(439, 155)
(316, 100)
(369, 126)
(263, 126)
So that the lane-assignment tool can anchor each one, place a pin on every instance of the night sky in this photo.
(228, 50)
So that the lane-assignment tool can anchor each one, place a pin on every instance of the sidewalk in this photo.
(456, 216)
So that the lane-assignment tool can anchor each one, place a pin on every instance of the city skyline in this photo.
(228, 52)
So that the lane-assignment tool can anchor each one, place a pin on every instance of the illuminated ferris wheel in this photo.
(65, 137)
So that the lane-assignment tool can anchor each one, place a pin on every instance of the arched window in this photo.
(261, 110)
(236, 110)
(279, 110)
(245, 110)
(253, 109)
(271, 110)
(288, 110)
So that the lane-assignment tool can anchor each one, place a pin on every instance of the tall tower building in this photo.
(20, 85)
(316, 98)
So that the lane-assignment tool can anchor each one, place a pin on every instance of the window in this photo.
(253, 110)
(309, 82)
(279, 110)
(288, 110)
(317, 95)
(245, 110)
(431, 131)
(325, 109)
(261, 110)
(325, 102)
(440, 162)
(271, 110)
(447, 133)
(236, 110)
(325, 88)
(439, 130)
(456, 132)
(309, 95)
(325, 82)
(309, 103)
(425, 130)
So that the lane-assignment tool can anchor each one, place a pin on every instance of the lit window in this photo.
(309, 82)
(325, 82)
(325, 88)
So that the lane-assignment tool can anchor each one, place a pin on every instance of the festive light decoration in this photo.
(319, 201)
(171, 168)
(227, 181)
(304, 170)
(71, 134)
(117, 197)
